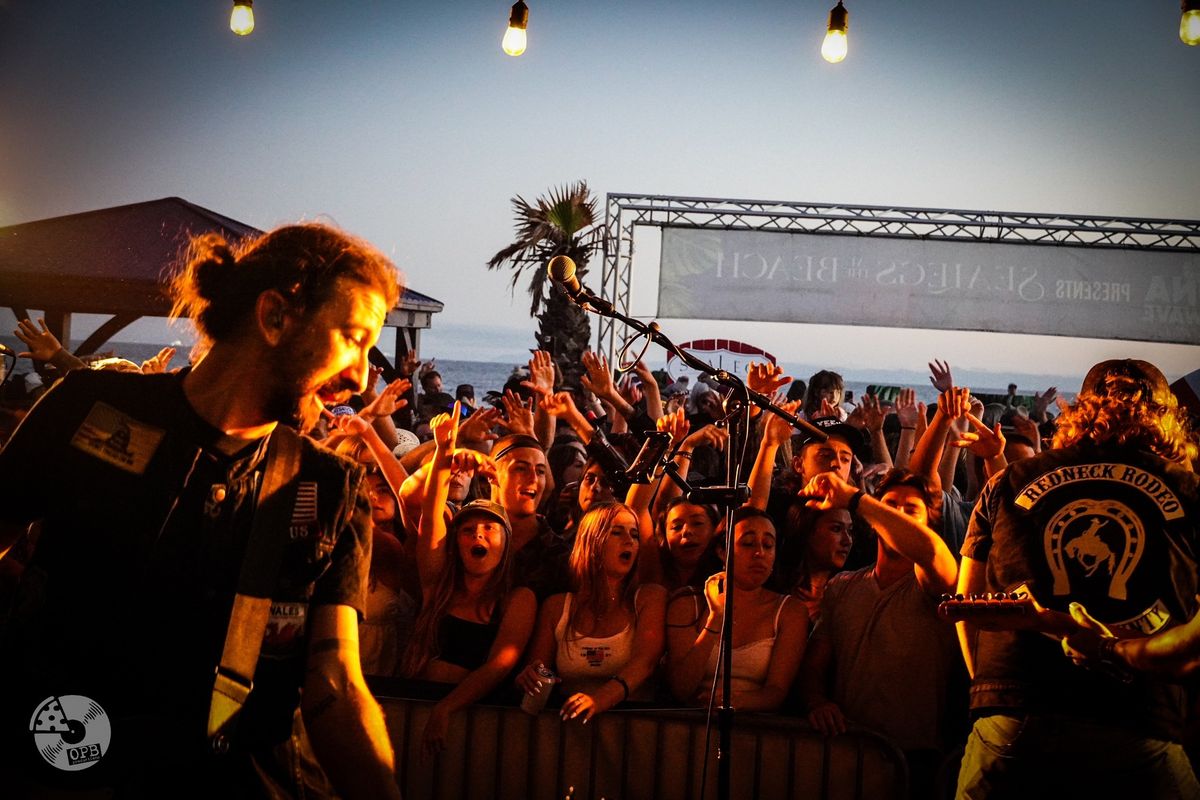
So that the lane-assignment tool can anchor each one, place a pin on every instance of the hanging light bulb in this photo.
(833, 49)
(1189, 23)
(241, 20)
(514, 37)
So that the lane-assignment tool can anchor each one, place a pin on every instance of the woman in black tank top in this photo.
(473, 627)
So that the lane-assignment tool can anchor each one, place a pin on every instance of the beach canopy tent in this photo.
(113, 261)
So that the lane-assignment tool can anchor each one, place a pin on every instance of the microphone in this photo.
(562, 271)
(5, 350)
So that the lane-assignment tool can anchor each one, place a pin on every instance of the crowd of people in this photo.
(507, 553)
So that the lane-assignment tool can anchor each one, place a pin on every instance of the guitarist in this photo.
(146, 487)
(1106, 519)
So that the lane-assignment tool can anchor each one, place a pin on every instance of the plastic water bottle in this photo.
(534, 703)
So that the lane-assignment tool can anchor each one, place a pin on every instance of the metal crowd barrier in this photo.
(501, 752)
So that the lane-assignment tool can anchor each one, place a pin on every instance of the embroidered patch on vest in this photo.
(117, 438)
(304, 513)
(284, 636)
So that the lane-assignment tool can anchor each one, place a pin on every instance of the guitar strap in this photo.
(264, 555)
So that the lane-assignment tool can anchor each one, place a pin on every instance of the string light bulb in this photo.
(514, 38)
(241, 19)
(1189, 23)
(833, 49)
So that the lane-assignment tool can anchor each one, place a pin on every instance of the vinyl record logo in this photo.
(71, 731)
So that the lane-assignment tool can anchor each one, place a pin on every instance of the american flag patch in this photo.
(305, 510)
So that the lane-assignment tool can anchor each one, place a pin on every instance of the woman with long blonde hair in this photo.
(604, 638)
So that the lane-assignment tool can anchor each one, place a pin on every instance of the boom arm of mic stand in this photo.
(604, 308)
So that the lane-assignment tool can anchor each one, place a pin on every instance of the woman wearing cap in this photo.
(473, 627)
(605, 638)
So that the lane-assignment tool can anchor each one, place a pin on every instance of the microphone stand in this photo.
(729, 497)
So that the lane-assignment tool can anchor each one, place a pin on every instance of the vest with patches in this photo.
(144, 523)
(1113, 528)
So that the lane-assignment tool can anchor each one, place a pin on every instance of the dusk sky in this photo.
(406, 124)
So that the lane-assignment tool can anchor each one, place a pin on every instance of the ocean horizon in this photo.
(485, 375)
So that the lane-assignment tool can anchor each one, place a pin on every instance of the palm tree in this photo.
(561, 223)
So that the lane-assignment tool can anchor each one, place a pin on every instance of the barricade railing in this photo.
(495, 751)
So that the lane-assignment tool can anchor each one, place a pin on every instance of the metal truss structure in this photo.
(624, 212)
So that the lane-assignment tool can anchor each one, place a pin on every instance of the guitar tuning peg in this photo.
(946, 597)
(960, 597)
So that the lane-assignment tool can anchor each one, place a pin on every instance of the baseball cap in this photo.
(832, 426)
(487, 508)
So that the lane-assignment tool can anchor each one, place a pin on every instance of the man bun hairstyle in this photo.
(219, 283)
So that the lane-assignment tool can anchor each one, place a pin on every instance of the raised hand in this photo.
(368, 395)
(445, 429)
(409, 363)
(906, 408)
(1041, 401)
(963, 405)
(676, 424)
(518, 415)
(559, 404)
(477, 428)
(42, 343)
(541, 374)
(954, 402)
(389, 401)
(766, 378)
(829, 409)
(158, 362)
(599, 379)
(939, 375)
(630, 391)
(984, 442)
(776, 429)
(645, 376)
(709, 435)
(872, 413)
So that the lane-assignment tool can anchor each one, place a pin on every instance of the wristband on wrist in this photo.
(684, 454)
(624, 686)
(852, 506)
(713, 632)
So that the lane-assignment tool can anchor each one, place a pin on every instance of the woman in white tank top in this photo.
(604, 639)
(769, 634)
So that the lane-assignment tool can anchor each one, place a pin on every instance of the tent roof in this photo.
(112, 260)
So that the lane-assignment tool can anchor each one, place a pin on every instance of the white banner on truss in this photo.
(1058, 290)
